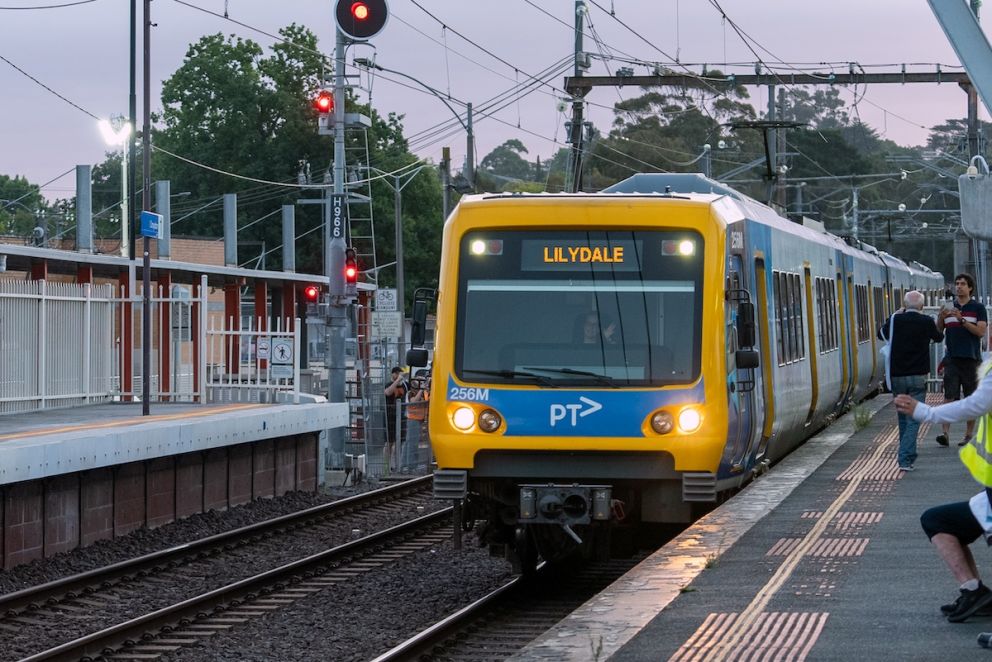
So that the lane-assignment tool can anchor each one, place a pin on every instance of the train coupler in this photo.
(565, 504)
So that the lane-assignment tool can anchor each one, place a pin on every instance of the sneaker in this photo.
(964, 442)
(942, 440)
(969, 603)
(907, 467)
(950, 607)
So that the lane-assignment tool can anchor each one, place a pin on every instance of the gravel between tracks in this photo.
(145, 541)
(365, 617)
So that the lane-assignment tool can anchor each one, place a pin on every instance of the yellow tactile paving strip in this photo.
(134, 420)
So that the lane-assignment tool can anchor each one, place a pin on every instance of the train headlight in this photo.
(478, 247)
(662, 422)
(489, 420)
(464, 418)
(689, 420)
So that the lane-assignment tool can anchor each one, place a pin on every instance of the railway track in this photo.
(134, 590)
(498, 625)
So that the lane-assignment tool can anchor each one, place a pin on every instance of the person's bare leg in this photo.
(956, 557)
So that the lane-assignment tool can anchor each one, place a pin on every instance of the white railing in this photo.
(252, 363)
(56, 342)
(68, 344)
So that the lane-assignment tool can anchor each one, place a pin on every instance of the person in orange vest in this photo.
(416, 415)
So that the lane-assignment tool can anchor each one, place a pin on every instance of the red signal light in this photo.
(311, 293)
(359, 11)
(350, 266)
(324, 103)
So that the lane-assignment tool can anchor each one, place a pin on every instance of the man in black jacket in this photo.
(909, 365)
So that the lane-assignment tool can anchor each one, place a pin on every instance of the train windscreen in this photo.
(568, 308)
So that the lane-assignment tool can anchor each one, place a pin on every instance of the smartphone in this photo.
(948, 305)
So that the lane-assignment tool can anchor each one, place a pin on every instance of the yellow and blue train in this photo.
(633, 355)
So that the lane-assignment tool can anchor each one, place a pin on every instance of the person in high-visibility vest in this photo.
(953, 526)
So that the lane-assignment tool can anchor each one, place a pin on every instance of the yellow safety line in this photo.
(126, 421)
(733, 636)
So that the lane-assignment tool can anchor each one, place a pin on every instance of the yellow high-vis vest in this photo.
(976, 454)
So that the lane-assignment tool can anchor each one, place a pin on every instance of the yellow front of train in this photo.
(579, 338)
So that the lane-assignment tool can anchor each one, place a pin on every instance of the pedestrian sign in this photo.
(282, 351)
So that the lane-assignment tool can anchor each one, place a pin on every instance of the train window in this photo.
(861, 312)
(797, 293)
(578, 307)
(826, 314)
(779, 326)
(791, 340)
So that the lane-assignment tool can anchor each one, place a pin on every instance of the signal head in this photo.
(350, 266)
(361, 19)
(311, 293)
(324, 102)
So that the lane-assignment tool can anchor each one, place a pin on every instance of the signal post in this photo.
(357, 21)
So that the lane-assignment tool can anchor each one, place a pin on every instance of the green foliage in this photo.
(20, 217)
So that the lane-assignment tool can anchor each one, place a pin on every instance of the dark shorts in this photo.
(954, 519)
(960, 376)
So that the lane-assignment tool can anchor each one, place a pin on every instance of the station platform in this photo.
(71, 477)
(823, 558)
(53, 442)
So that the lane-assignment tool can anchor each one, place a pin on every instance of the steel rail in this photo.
(70, 587)
(98, 643)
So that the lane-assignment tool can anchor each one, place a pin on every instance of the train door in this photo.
(740, 380)
(814, 374)
(767, 358)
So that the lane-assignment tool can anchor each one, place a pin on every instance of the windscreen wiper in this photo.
(511, 374)
(602, 379)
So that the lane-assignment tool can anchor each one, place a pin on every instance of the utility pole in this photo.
(780, 153)
(854, 211)
(469, 148)
(445, 182)
(127, 220)
(146, 205)
(334, 234)
(575, 130)
(772, 144)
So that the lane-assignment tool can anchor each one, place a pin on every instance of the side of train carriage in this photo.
(631, 356)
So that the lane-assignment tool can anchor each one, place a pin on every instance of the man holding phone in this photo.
(963, 322)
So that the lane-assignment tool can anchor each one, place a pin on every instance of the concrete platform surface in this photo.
(43, 444)
(821, 559)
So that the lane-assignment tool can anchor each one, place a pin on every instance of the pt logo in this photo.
(572, 412)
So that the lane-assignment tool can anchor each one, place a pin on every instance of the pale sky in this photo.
(82, 53)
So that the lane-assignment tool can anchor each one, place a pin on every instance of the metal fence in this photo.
(56, 345)
(390, 439)
(68, 344)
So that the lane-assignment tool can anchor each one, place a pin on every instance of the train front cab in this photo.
(540, 430)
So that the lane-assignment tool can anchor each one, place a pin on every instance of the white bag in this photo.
(886, 352)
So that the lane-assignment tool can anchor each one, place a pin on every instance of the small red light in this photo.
(351, 274)
(324, 103)
(311, 292)
(360, 11)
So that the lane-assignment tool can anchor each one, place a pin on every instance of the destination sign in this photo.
(579, 254)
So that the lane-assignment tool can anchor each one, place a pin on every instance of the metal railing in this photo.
(69, 344)
(56, 345)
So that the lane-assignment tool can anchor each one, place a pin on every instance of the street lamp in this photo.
(466, 123)
(115, 136)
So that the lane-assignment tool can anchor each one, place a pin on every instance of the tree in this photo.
(506, 161)
(235, 108)
(20, 205)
